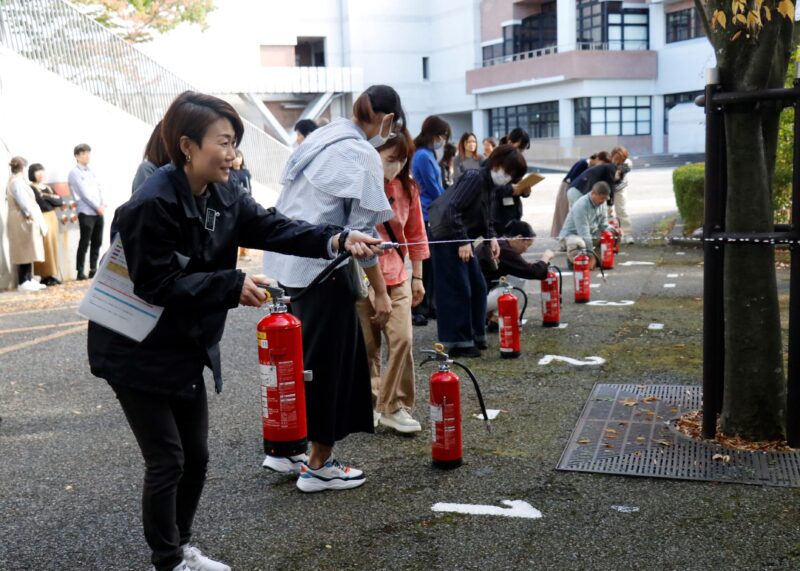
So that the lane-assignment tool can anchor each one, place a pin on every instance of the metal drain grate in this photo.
(627, 430)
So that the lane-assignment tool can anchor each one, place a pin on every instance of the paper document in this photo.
(529, 180)
(110, 300)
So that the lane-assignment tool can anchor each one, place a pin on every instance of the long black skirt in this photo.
(339, 398)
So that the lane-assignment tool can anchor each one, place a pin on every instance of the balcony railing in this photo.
(60, 38)
(579, 46)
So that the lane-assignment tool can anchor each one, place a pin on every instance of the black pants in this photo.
(172, 434)
(427, 307)
(25, 273)
(91, 231)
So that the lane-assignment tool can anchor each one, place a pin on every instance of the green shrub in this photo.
(687, 183)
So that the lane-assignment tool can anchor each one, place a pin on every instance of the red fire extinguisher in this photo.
(445, 404)
(283, 397)
(581, 279)
(551, 298)
(509, 320)
(615, 224)
(607, 250)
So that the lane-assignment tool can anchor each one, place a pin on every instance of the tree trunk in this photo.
(754, 400)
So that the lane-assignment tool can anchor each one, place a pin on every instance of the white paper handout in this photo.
(110, 300)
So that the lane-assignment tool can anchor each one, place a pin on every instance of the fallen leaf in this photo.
(611, 433)
(651, 398)
(609, 445)
(584, 441)
(663, 442)
(640, 439)
(629, 402)
(723, 457)
(68, 487)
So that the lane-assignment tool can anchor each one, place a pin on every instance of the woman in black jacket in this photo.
(180, 234)
(464, 213)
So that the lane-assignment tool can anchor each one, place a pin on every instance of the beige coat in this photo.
(25, 242)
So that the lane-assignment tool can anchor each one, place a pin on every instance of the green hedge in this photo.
(687, 183)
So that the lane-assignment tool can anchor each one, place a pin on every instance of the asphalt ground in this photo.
(70, 470)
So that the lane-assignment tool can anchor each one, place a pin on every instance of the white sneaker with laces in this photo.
(285, 465)
(194, 560)
(330, 476)
(401, 421)
(29, 285)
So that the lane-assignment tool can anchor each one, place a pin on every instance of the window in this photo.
(673, 99)
(535, 32)
(310, 52)
(626, 115)
(684, 25)
(425, 75)
(540, 120)
(491, 54)
(607, 25)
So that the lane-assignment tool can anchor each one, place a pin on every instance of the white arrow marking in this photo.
(566, 273)
(594, 360)
(621, 303)
(517, 508)
(625, 509)
(637, 263)
(656, 326)
(491, 412)
(669, 285)
(562, 325)
(594, 285)
(680, 253)
(672, 275)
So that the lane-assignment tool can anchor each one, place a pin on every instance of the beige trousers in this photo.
(395, 388)
(621, 211)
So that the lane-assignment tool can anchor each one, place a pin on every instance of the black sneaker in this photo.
(469, 352)
(81, 276)
(92, 273)
(482, 345)
(419, 320)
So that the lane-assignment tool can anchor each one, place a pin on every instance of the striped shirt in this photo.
(334, 177)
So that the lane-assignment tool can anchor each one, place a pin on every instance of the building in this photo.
(578, 75)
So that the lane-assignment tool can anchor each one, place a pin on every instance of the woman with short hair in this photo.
(48, 201)
(25, 227)
(180, 233)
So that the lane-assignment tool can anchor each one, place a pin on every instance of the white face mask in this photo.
(379, 139)
(438, 144)
(500, 178)
(392, 168)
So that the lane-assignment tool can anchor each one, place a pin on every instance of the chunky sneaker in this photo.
(285, 465)
(330, 476)
(401, 421)
(196, 561)
(29, 285)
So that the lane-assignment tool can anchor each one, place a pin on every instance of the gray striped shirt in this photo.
(334, 177)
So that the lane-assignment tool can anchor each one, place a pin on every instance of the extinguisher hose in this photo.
(599, 264)
(560, 283)
(322, 276)
(478, 392)
(524, 302)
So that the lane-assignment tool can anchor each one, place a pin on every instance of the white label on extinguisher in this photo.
(264, 344)
(500, 323)
(545, 296)
(436, 413)
(269, 376)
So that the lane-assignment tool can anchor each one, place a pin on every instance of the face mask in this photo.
(438, 145)
(392, 168)
(379, 139)
(500, 178)
(439, 152)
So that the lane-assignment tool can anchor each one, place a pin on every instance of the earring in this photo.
(188, 159)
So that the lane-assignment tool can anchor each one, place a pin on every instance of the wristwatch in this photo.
(342, 239)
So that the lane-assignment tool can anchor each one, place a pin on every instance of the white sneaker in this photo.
(285, 465)
(194, 560)
(401, 421)
(376, 416)
(29, 286)
(628, 240)
(330, 476)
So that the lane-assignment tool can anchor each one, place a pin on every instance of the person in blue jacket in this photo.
(427, 173)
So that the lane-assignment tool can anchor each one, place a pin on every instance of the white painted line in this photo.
(672, 275)
(594, 285)
(680, 253)
(656, 326)
(632, 263)
(566, 273)
(620, 303)
(594, 360)
(517, 508)
(625, 509)
(562, 325)
(490, 412)
(669, 285)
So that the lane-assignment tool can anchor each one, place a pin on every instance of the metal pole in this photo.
(713, 348)
(793, 369)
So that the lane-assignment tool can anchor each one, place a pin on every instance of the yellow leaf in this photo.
(736, 36)
(758, 4)
(740, 18)
(629, 402)
(786, 8)
(721, 18)
(753, 20)
(584, 441)
(767, 13)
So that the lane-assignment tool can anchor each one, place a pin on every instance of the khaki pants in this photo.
(395, 389)
(622, 212)
(574, 244)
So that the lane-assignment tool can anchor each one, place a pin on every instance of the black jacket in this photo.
(510, 263)
(505, 207)
(464, 210)
(177, 261)
(594, 174)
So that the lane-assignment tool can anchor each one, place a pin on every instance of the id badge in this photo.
(211, 219)
(508, 201)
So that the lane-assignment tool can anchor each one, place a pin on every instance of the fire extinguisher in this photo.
(615, 224)
(510, 320)
(445, 404)
(283, 397)
(551, 297)
(581, 276)
(607, 250)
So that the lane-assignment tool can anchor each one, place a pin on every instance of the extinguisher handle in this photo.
(322, 276)
(477, 392)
